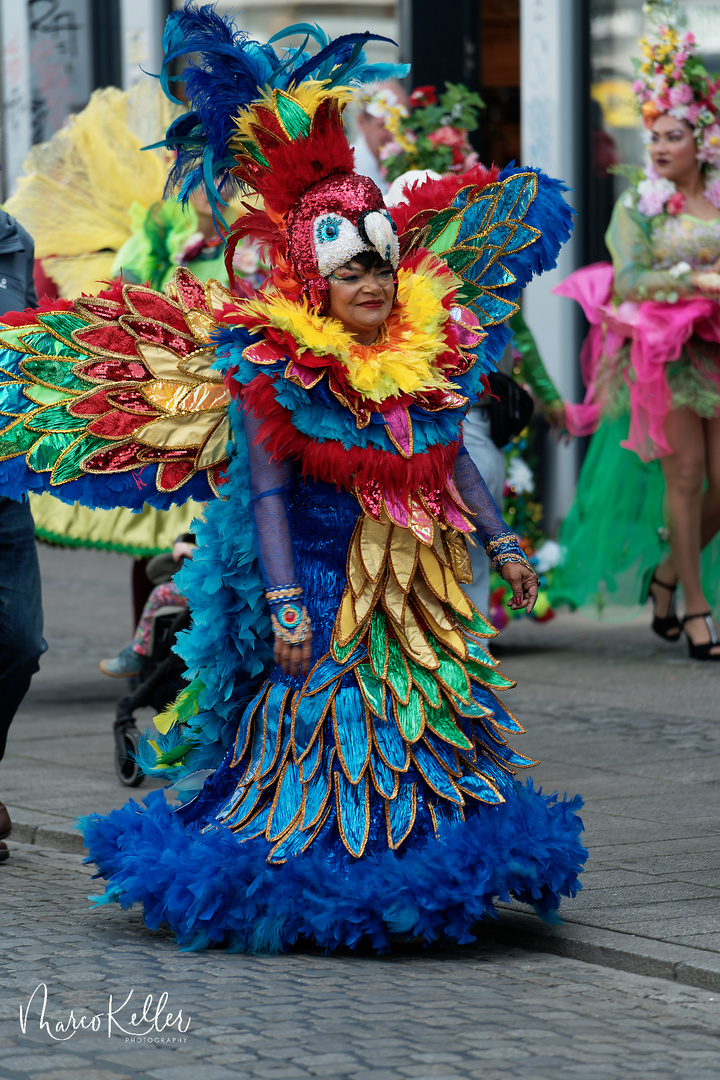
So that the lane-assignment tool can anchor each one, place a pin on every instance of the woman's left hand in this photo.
(294, 659)
(524, 585)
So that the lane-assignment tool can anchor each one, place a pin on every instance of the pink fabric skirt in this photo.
(639, 342)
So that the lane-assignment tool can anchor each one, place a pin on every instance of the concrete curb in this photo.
(48, 835)
(608, 948)
(575, 940)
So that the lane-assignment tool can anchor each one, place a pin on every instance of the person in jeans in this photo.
(21, 622)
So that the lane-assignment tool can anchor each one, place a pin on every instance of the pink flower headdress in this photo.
(672, 79)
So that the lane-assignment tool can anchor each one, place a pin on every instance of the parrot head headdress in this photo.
(272, 125)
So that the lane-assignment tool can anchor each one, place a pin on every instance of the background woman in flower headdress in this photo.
(654, 354)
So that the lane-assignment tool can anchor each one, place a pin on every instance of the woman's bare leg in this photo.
(684, 470)
(709, 513)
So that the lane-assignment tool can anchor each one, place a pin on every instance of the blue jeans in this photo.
(21, 621)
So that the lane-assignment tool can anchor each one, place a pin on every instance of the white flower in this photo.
(547, 556)
(520, 477)
(679, 269)
(653, 195)
(678, 111)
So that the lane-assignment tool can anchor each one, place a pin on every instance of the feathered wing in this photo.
(113, 401)
(77, 191)
(495, 230)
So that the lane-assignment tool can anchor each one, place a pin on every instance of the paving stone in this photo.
(491, 1010)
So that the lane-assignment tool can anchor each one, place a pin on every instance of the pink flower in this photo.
(447, 136)
(675, 204)
(689, 39)
(654, 193)
(710, 148)
(638, 86)
(712, 193)
(681, 95)
(693, 112)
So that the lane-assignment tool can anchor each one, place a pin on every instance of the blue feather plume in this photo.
(229, 73)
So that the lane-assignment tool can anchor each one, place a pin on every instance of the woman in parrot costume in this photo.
(340, 759)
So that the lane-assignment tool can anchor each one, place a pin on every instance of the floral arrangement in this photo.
(433, 134)
(672, 79)
(658, 195)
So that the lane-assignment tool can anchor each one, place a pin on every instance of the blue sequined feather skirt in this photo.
(349, 805)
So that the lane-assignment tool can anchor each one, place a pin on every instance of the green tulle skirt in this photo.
(616, 533)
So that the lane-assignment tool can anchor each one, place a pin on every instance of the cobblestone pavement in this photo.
(486, 1012)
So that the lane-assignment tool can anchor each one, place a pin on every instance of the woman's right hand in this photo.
(707, 281)
(555, 416)
(294, 659)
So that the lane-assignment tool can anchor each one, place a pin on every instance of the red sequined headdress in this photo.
(291, 149)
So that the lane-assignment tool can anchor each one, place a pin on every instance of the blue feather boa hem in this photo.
(211, 890)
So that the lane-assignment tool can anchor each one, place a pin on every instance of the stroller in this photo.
(159, 682)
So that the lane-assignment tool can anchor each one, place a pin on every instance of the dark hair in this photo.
(369, 260)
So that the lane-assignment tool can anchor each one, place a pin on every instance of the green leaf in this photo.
(47, 345)
(409, 717)
(68, 467)
(441, 722)
(378, 643)
(373, 689)
(58, 374)
(48, 449)
(56, 418)
(16, 439)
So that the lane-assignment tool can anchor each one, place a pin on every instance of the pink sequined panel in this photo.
(190, 291)
(114, 371)
(370, 497)
(105, 310)
(434, 502)
(160, 335)
(132, 400)
(114, 458)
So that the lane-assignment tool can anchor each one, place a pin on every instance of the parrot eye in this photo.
(336, 241)
(328, 229)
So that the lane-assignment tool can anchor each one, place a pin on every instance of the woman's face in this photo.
(672, 148)
(361, 299)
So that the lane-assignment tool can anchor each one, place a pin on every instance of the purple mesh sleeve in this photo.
(473, 489)
(270, 484)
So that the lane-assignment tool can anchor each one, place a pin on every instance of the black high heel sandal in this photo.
(663, 626)
(702, 652)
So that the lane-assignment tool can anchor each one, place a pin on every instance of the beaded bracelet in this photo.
(291, 621)
(506, 548)
(504, 542)
(510, 556)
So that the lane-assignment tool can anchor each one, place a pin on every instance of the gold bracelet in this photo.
(500, 560)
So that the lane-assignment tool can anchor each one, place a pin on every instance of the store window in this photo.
(613, 128)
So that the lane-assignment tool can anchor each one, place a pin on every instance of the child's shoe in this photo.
(124, 665)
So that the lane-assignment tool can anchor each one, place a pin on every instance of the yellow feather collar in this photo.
(401, 362)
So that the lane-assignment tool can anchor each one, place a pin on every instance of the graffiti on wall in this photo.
(60, 61)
